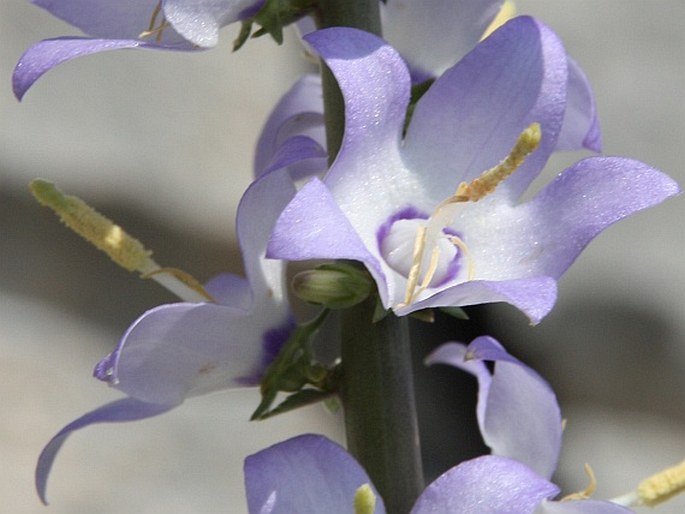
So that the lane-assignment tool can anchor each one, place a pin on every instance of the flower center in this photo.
(397, 242)
(426, 250)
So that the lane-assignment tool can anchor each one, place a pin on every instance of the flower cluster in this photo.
(446, 125)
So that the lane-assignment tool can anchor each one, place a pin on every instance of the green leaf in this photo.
(293, 367)
(295, 401)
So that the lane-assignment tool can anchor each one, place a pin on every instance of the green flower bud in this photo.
(335, 286)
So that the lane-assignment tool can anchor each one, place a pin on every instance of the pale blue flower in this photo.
(180, 350)
(384, 186)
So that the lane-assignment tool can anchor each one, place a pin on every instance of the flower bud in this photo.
(335, 286)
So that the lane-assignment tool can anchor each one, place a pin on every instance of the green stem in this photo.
(377, 385)
(378, 398)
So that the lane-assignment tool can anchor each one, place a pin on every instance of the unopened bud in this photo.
(335, 286)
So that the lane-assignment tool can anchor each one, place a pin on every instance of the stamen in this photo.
(456, 241)
(432, 266)
(155, 13)
(364, 500)
(417, 257)
(104, 234)
(151, 29)
(446, 211)
(589, 490)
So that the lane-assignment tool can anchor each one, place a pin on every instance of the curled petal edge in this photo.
(45, 55)
(127, 409)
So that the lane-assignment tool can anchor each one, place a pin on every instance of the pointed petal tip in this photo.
(45, 55)
(126, 409)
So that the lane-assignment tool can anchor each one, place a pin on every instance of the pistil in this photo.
(656, 489)
(427, 236)
(125, 250)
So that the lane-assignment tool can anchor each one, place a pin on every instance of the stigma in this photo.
(656, 489)
(434, 238)
(125, 250)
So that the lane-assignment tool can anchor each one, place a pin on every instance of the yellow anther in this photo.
(126, 251)
(364, 500)
(662, 486)
(445, 213)
(589, 490)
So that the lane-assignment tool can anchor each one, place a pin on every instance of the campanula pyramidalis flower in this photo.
(517, 411)
(430, 213)
(156, 24)
(519, 419)
(185, 349)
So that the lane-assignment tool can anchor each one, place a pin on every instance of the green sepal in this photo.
(269, 18)
(379, 312)
(296, 400)
(276, 14)
(243, 35)
(332, 404)
(425, 315)
(293, 367)
(456, 312)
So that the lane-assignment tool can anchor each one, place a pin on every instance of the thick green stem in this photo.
(377, 385)
(378, 399)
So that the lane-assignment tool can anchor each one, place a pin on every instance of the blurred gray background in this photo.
(162, 142)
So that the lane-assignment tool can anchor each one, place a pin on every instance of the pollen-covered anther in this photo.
(428, 236)
(589, 490)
